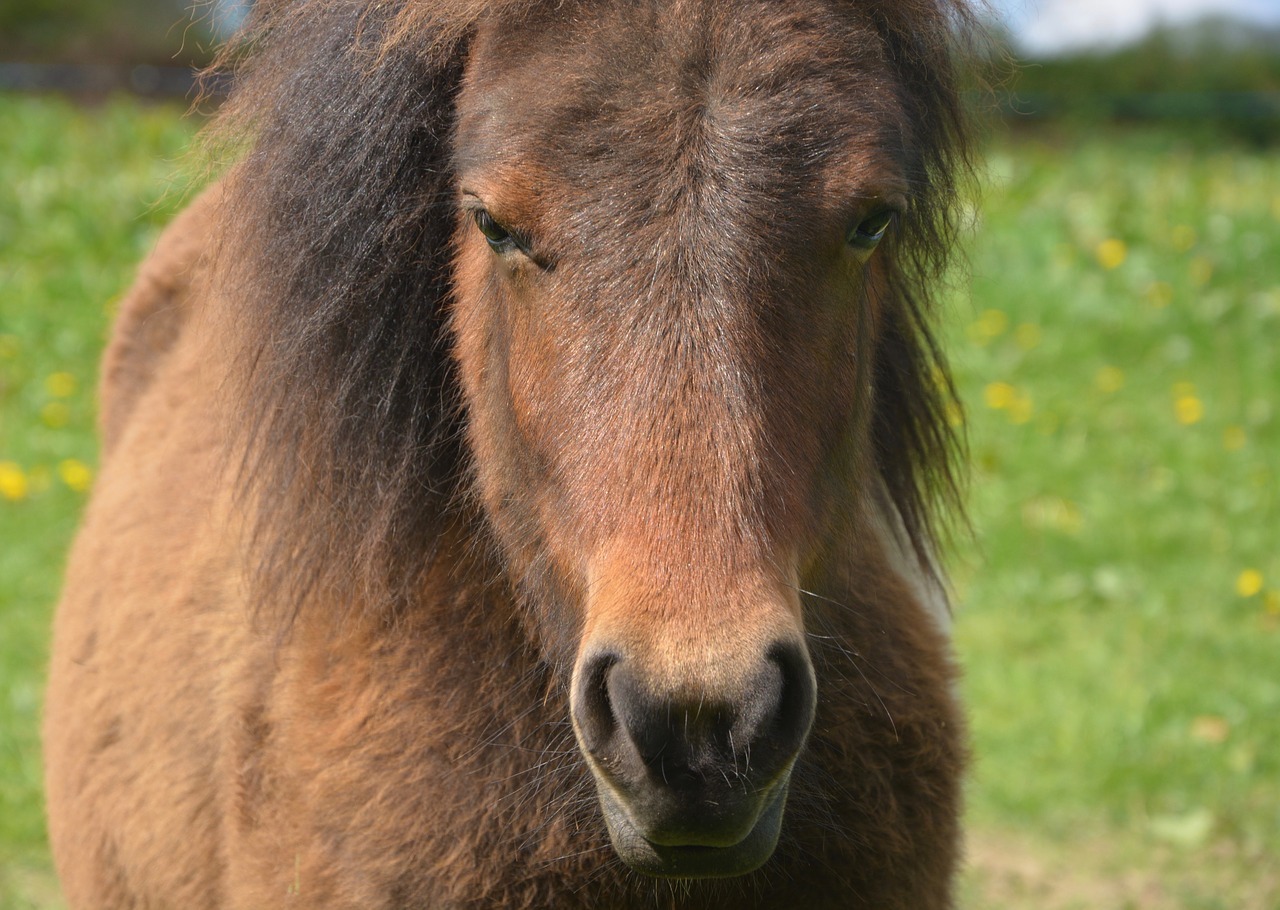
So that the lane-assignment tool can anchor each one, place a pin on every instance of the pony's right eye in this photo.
(500, 239)
(866, 234)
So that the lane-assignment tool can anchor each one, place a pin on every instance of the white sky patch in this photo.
(1053, 26)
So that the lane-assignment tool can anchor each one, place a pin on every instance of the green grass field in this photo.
(1120, 627)
(83, 199)
(1116, 348)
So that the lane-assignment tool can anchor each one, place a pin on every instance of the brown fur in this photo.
(370, 492)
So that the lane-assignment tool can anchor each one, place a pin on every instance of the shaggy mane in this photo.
(337, 251)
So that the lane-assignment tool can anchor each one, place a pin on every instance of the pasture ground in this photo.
(1115, 344)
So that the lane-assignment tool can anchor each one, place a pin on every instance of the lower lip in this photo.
(694, 860)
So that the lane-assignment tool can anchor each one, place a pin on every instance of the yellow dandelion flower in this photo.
(55, 414)
(1184, 238)
(60, 385)
(1159, 294)
(999, 395)
(1200, 270)
(994, 322)
(1188, 409)
(991, 324)
(75, 474)
(1027, 336)
(1111, 253)
(1233, 438)
(1248, 582)
(1109, 380)
(13, 482)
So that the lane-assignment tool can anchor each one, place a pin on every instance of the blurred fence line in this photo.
(1148, 105)
(91, 80)
(1218, 77)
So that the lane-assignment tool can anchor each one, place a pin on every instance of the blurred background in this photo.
(1114, 333)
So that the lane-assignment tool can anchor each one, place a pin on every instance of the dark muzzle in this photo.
(693, 782)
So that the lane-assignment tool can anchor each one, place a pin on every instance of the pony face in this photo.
(537, 360)
(675, 230)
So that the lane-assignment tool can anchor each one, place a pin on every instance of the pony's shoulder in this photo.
(154, 310)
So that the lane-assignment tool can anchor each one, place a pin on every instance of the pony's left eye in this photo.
(499, 238)
(871, 230)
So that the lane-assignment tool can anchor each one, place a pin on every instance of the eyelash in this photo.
(500, 239)
(867, 233)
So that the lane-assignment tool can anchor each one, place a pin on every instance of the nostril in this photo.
(759, 705)
(592, 706)
(798, 697)
(781, 707)
(646, 721)
(672, 742)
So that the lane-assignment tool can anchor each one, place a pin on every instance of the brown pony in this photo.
(520, 475)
